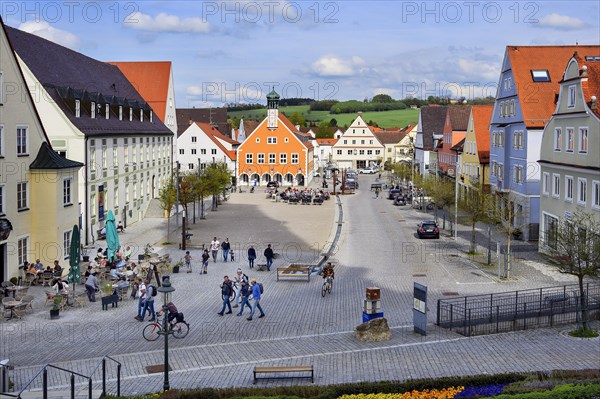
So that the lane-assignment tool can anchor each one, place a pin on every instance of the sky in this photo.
(236, 51)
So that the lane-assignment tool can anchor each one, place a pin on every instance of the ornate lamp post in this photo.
(166, 290)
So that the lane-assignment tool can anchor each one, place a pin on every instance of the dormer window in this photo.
(107, 110)
(120, 112)
(77, 108)
(141, 115)
(93, 110)
(130, 114)
(540, 75)
(150, 116)
(571, 98)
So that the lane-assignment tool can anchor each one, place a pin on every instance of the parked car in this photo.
(393, 193)
(350, 184)
(428, 228)
(272, 184)
(366, 171)
(400, 200)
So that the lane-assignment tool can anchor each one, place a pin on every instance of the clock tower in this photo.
(272, 109)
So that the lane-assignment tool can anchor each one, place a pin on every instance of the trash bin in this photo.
(4, 375)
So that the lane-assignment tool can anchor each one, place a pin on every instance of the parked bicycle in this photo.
(153, 330)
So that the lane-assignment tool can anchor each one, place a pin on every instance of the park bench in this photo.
(293, 272)
(286, 370)
(553, 299)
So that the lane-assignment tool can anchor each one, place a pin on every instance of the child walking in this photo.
(188, 261)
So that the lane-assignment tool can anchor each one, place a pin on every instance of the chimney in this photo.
(584, 72)
(594, 104)
(359, 113)
(191, 121)
(297, 127)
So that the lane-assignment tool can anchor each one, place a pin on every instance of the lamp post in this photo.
(177, 195)
(183, 238)
(456, 173)
(412, 166)
(166, 290)
(489, 254)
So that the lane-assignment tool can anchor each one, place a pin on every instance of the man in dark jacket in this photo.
(225, 246)
(269, 255)
(226, 292)
(251, 256)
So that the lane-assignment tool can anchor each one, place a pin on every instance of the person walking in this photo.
(251, 256)
(269, 255)
(377, 193)
(205, 258)
(256, 298)
(214, 247)
(140, 295)
(91, 285)
(188, 261)
(239, 278)
(149, 302)
(244, 293)
(225, 246)
(226, 291)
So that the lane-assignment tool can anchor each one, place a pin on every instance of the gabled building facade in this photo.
(429, 131)
(202, 144)
(525, 102)
(474, 171)
(570, 156)
(455, 130)
(358, 147)
(112, 130)
(39, 201)
(275, 151)
(323, 152)
(391, 144)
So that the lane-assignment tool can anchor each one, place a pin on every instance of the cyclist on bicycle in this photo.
(328, 271)
(173, 316)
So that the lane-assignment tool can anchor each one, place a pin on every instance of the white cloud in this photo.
(332, 66)
(43, 29)
(561, 22)
(166, 23)
(479, 69)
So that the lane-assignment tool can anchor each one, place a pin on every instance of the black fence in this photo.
(516, 310)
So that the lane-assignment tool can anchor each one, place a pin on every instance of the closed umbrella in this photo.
(74, 252)
(112, 238)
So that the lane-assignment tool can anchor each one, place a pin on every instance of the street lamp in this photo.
(166, 290)
(489, 254)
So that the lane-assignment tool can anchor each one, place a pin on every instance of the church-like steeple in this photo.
(272, 109)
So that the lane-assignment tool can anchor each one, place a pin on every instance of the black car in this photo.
(393, 193)
(428, 229)
(400, 200)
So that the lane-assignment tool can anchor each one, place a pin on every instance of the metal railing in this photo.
(44, 373)
(516, 310)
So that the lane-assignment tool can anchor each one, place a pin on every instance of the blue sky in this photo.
(233, 51)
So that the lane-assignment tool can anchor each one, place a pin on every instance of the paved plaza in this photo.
(377, 247)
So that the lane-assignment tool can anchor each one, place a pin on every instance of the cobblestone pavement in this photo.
(378, 247)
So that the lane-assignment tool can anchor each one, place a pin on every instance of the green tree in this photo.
(574, 244)
(477, 207)
(297, 119)
(167, 196)
(401, 171)
(218, 177)
(333, 122)
(324, 130)
(382, 98)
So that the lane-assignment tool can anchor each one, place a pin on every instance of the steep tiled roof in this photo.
(389, 137)
(592, 86)
(47, 158)
(250, 125)
(327, 141)
(151, 80)
(482, 114)
(432, 120)
(61, 70)
(409, 127)
(458, 147)
(537, 98)
(459, 117)
(218, 117)
(214, 134)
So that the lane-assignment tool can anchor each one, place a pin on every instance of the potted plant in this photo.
(177, 266)
(55, 311)
(109, 296)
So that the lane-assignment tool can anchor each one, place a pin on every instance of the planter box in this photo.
(111, 299)
(175, 269)
(54, 314)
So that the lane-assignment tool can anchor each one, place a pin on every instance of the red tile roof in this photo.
(459, 117)
(537, 98)
(482, 114)
(591, 87)
(386, 137)
(151, 80)
(327, 141)
(214, 134)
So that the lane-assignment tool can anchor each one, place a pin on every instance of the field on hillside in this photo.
(396, 118)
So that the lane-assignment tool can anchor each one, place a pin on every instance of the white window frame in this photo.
(557, 139)
(571, 97)
(194, 139)
(77, 108)
(596, 194)
(295, 158)
(581, 148)
(581, 191)
(271, 140)
(339, 152)
(181, 151)
(213, 151)
(22, 249)
(67, 191)
(272, 158)
(283, 158)
(202, 151)
(249, 158)
(569, 187)
(23, 206)
(570, 144)
(2, 194)
(120, 112)
(260, 158)
(130, 114)
(26, 135)
(193, 151)
(93, 110)
(66, 243)
(555, 185)
(545, 183)
(107, 111)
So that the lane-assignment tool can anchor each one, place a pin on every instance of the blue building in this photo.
(525, 101)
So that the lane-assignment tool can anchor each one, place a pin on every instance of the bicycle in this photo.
(153, 330)
(327, 286)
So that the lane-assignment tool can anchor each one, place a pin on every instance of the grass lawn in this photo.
(396, 118)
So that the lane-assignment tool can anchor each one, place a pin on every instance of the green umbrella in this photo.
(112, 238)
(74, 252)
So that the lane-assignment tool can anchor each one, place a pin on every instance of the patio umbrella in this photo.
(74, 252)
(112, 238)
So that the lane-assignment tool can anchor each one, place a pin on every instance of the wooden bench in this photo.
(553, 299)
(293, 272)
(284, 369)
